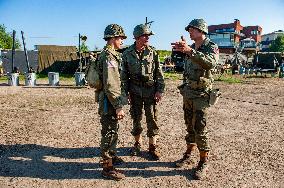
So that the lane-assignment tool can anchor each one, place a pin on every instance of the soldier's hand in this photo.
(119, 113)
(181, 46)
(158, 97)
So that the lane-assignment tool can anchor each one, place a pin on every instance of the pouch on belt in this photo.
(215, 94)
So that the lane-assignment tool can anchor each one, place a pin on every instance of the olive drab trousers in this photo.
(109, 132)
(137, 104)
(195, 116)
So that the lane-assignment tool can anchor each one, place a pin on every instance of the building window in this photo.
(226, 36)
(254, 32)
(225, 30)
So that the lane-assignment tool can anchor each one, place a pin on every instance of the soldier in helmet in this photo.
(143, 85)
(201, 58)
(110, 105)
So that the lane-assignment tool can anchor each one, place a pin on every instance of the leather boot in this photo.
(186, 159)
(136, 150)
(110, 172)
(117, 160)
(153, 152)
(202, 166)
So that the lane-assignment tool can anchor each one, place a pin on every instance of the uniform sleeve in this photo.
(124, 77)
(111, 81)
(160, 82)
(207, 60)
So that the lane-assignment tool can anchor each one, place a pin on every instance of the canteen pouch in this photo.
(215, 94)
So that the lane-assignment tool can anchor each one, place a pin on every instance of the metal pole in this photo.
(146, 21)
(80, 62)
(13, 50)
(26, 54)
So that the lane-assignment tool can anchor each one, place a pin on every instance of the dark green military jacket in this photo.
(110, 61)
(141, 74)
(199, 66)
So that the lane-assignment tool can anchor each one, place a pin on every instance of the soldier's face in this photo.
(194, 33)
(143, 40)
(118, 42)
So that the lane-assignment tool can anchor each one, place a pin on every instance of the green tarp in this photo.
(52, 58)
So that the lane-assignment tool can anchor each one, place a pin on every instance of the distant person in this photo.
(16, 70)
(1, 71)
(201, 58)
(143, 84)
(110, 106)
(31, 70)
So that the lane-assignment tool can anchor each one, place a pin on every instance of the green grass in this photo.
(63, 77)
(172, 76)
(3, 78)
(228, 78)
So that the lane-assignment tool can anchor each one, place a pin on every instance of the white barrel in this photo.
(53, 78)
(30, 79)
(80, 78)
(13, 79)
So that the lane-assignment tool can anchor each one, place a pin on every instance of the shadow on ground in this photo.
(33, 161)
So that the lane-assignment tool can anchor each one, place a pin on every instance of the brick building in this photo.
(231, 36)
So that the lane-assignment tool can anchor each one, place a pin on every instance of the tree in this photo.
(6, 39)
(277, 45)
(163, 54)
(84, 47)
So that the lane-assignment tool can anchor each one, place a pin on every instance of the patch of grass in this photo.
(65, 77)
(3, 78)
(172, 76)
(228, 79)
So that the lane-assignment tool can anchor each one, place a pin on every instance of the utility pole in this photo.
(13, 51)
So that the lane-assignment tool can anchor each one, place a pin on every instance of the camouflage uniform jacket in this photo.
(109, 62)
(198, 66)
(141, 74)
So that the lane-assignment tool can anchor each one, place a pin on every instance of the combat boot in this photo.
(117, 160)
(153, 152)
(136, 151)
(202, 166)
(110, 172)
(186, 159)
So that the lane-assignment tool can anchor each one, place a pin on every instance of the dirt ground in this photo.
(49, 137)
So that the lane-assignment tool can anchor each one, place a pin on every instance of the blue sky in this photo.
(58, 22)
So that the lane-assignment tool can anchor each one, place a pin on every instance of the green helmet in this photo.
(114, 30)
(198, 24)
(142, 29)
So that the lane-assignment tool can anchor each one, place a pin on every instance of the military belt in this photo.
(203, 84)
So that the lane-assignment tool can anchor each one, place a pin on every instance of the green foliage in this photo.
(163, 54)
(277, 45)
(84, 47)
(6, 39)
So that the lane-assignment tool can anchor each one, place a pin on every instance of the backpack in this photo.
(94, 73)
